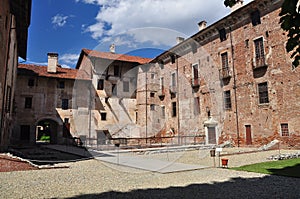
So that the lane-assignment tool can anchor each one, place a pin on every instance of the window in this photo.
(163, 112)
(222, 34)
(224, 57)
(61, 84)
(195, 74)
(263, 93)
(172, 59)
(28, 102)
(196, 106)
(174, 111)
(66, 120)
(114, 89)
(285, 130)
(173, 83)
(162, 83)
(255, 18)
(103, 116)
(161, 65)
(247, 43)
(100, 85)
(31, 82)
(64, 104)
(152, 75)
(125, 86)
(152, 94)
(227, 100)
(259, 52)
(116, 70)
(152, 107)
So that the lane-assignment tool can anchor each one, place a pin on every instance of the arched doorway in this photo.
(47, 130)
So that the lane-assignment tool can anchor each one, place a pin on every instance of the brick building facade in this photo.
(14, 22)
(46, 103)
(231, 81)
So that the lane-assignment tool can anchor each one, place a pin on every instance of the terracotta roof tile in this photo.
(62, 73)
(114, 56)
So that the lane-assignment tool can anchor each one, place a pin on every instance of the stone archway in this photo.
(46, 131)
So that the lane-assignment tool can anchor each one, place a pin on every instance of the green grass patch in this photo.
(289, 168)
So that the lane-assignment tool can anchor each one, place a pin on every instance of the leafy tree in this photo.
(290, 22)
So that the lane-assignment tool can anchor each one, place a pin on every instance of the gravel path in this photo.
(95, 179)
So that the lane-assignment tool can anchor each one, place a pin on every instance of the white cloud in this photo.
(65, 66)
(130, 17)
(59, 20)
(69, 59)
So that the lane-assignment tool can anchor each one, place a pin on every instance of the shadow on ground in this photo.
(292, 171)
(264, 187)
(42, 155)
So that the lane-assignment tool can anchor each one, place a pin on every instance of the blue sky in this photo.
(136, 27)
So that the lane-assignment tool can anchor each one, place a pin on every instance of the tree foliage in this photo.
(290, 22)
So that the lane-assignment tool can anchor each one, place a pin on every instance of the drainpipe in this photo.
(177, 84)
(234, 88)
(146, 88)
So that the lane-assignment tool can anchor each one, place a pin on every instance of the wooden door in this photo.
(212, 135)
(248, 135)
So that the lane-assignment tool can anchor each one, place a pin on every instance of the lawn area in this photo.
(289, 167)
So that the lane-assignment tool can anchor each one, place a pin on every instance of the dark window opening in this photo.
(100, 85)
(152, 75)
(174, 111)
(152, 107)
(31, 82)
(64, 104)
(66, 120)
(227, 100)
(152, 94)
(116, 70)
(28, 102)
(222, 34)
(61, 84)
(285, 130)
(247, 43)
(172, 59)
(125, 86)
(103, 116)
(195, 74)
(163, 112)
(263, 93)
(255, 18)
(196, 106)
(114, 89)
(259, 52)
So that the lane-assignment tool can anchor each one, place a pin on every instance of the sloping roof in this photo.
(112, 56)
(62, 73)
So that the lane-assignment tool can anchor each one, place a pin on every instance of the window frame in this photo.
(284, 128)
(103, 116)
(174, 109)
(64, 104)
(227, 100)
(100, 84)
(222, 34)
(28, 103)
(255, 17)
(263, 93)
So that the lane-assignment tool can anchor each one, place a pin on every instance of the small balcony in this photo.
(225, 73)
(259, 62)
(195, 83)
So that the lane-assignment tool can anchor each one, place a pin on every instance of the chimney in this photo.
(202, 25)
(112, 48)
(238, 5)
(52, 62)
(179, 40)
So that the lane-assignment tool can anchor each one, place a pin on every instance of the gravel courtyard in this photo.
(95, 179)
